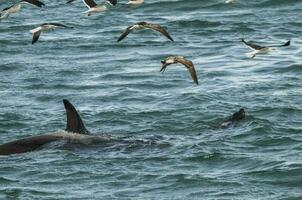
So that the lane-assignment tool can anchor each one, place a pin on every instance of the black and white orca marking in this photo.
(142, 25)
(44, 27)
(182, 60)
(16, 7)
(94, 8)
(257, 49)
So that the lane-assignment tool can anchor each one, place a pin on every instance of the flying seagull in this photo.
(44, 27)
(94, 8)
(135, 2)
(182, 60)
(257, 49)
(16, 7)
(142, 25)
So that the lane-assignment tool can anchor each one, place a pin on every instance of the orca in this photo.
(75, 132)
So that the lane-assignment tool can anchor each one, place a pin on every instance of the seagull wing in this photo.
(7, 8)
(251, 45)
(160, 29)
(190, 67)
(90, 3)
(55, 24)
(282, 45)
(125, 33)
(3, 14)
(36, 36)
(34, 2)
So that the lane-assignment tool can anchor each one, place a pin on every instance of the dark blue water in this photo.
(176, 150)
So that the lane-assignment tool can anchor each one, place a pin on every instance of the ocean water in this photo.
(176, 149)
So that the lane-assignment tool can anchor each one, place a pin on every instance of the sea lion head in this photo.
(239, 115)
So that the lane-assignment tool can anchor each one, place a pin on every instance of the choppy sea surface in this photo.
(176, 149)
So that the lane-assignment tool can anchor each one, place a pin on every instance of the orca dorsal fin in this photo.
(74, 121)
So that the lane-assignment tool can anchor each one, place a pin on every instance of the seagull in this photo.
(94, 8)
(182, 60)
(135, 2)
(16, 7)
(257, 49)
(44, 27)
(141, 25)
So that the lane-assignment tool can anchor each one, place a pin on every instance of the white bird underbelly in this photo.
(135, 2)
(96, 10)
(43, 28)
(252, 54)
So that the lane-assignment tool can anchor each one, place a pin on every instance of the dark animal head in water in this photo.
(238, 115)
